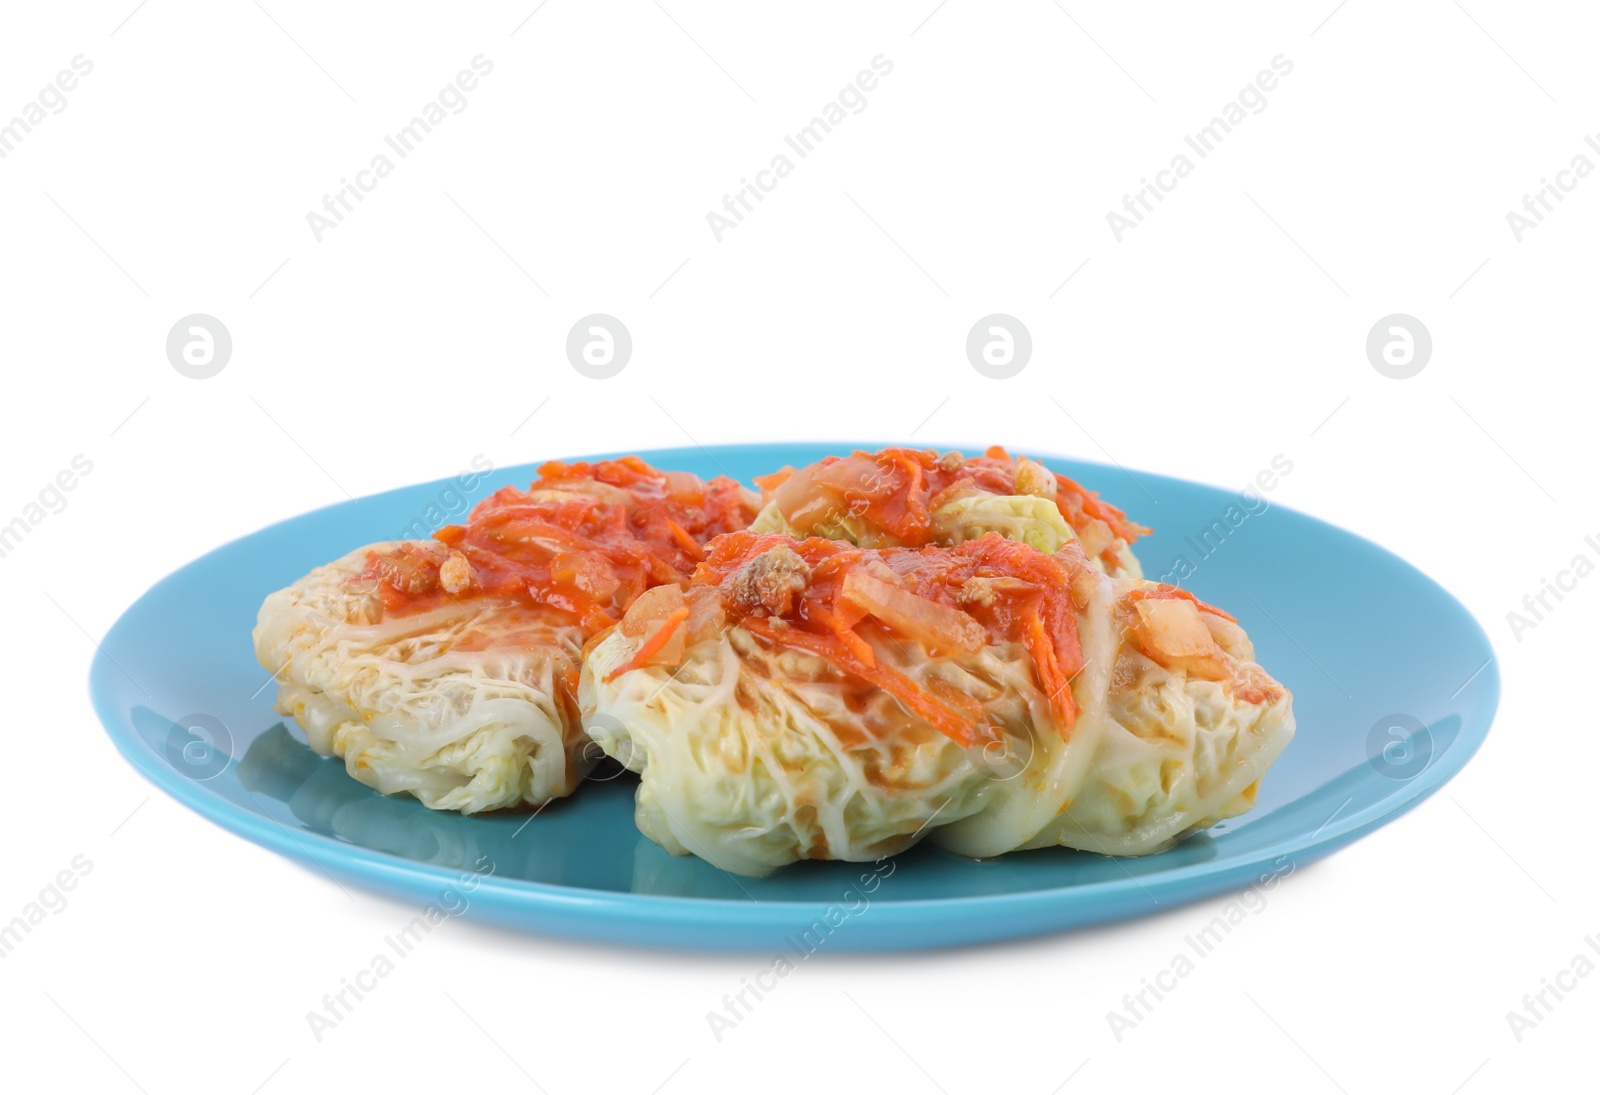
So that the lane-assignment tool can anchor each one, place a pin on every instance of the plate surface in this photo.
(1394, 685)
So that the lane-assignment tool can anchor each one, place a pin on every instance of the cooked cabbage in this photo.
(752, 758)
(756, 747)
(1158, 750)
(836, 526)
(458, 705)
(448, 668)
(1033, 520)
(900, 497)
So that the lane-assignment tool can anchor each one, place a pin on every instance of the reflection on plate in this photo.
(1394, 690)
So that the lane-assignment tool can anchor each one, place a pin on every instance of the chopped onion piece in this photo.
(937, 625)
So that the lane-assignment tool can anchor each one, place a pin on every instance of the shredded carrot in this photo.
(1051, 681)
(651, 646)
(844, 632)
(689, 543)
(1030, 604)
(939, 715)
(916, 499)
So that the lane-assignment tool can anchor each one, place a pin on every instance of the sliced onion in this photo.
(1171, 631)
(650, 609)
(934, 625)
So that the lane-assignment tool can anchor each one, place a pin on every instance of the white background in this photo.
(1225, 329)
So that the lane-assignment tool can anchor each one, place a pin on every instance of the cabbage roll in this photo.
(811, 699)
(808, 699)
(448, 668)
(1176, 725)
(899, 497)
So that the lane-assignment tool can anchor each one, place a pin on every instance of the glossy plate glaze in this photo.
(1393, 679)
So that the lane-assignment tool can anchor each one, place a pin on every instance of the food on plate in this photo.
(1176, 725)
(812, 699)
(901, 497)
(447, 668)
(883, 648)
(808, 699)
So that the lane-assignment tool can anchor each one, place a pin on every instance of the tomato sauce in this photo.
(584, 538)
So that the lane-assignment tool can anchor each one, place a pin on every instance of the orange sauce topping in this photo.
(585, 538)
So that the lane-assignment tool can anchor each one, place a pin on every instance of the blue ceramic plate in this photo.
(1394, 687)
